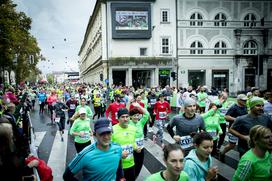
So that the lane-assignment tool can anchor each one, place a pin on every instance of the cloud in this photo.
(52, 22)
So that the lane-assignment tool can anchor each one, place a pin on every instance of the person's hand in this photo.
(214, 107)
(136, 104)
(81, 133)
(177, 138)
(246, 138)
(33, 163)
(124, 154)
(139, 149)
(212, 173)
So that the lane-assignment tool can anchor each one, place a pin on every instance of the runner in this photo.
(161, 110)
(125, 135)
(198, 164)
(187, 123)
(81, 129)
(60, 108)
(152, 99)
(201, 98)
(139, 125)
(256, 163)
(173, 158)
(113, 109)
(212, 126)
(42, 99)
(238, 109)
(86, 107)
(99, 161)
(50, 101)
(72, 103)
(97, 105)
(243, 124)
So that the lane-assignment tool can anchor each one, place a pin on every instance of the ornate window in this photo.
(196, 19)
(250, 48)
(196, 48)
(250, 20)
(220, 20)
(220, 48)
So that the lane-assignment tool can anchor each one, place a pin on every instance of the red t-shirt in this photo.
(131, 106)
(161, 109)
(113, 109)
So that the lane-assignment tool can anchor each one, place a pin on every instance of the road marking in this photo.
(143, 174)
(57, 158)
(39, 137)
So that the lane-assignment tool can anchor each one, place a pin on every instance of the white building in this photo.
(217, 43)
(222, 41)
(130, 42)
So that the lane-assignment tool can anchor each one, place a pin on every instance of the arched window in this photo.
(250, 20)
(250, 48)
(196, 19)
(220, 48)
(220, 20)
(196, 48)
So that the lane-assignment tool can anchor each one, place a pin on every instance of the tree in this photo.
(16, 42)
(50, 78)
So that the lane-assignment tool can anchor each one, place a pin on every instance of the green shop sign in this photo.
(164, 72)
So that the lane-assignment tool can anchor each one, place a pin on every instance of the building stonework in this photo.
(217, 43)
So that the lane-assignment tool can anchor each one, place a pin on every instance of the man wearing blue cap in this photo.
(99, 161)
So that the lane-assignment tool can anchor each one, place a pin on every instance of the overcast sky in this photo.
(53, 21)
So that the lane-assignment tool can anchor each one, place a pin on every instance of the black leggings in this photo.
(129, 173)
(42, 107)
(51, 108)
(97, 111)
(139, 160)
(222, 136)
(81, 146)
(61, 124)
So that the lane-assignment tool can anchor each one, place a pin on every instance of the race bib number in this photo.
(153, 101)
(167, 98)
(40, 102)
(129, 149)
(72, 106)
(140, 142)
(162, 115)
(57, 119)
(86, 136)
(186, 142)
(223, 111)
(232, 138)
(212, 133)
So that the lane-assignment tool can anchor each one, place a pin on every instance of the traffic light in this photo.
(101, 77)
(174, 75)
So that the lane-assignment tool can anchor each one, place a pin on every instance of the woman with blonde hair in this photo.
(256, 164)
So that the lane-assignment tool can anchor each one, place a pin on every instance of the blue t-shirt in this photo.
(97, 164)
(42, 97)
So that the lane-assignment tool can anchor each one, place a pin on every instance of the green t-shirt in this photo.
(88, 110)
(81, 125)
(212, 125)
(253, 168)
(223, 110)
(139, 129)
(126, 137)
(158, 177)
(145, 101)
(201, 97)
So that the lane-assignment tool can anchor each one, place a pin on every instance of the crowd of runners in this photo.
(119, 119)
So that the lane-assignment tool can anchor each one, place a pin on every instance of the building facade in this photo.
(224, 44)
(130, 43)
(217, 43)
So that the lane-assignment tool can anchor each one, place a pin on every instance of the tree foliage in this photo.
(16, 42)
(50, 78)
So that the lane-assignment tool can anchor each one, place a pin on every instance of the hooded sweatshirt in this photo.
(196, 169)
